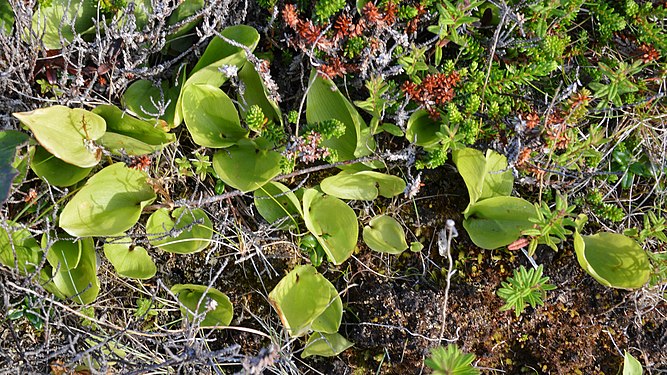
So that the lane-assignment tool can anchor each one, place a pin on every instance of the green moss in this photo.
(324, 9)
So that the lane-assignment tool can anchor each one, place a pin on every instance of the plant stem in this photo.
(444, 246)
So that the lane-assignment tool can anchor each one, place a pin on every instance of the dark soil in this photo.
(393, 305)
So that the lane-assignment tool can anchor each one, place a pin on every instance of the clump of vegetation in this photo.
(172, 160)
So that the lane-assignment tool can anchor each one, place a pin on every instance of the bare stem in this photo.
(445, 237)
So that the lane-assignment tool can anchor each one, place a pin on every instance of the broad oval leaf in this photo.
(325, 102)
(275, 202)
(486, 176)
(129, 260)
(133, 135)
(65, 255)
(329, 320)
(498, 221)
(54, 19)
(347, 185)
(55, 171)
(153, 132)
(301, 297)
(109, 203)
(613, 259)
(245, 167)
(67, 133)
(332, 222)
(19, 240)
(194, 226)
(631, 366)
(211, 117)
(385, 234)
(120, 144)
(388, 185)
(364, 185)
(256, 93)
(422, 129)
(215, 305)
(325, 345)
(81, 283)
(218, 54)
(142, 96)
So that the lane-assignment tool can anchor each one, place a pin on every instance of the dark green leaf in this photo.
(55, 171)
(9, 141)
(211, 116)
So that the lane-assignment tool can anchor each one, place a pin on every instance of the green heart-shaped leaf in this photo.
(109, 203)
(194, 236)
(55, 171)
(301, 297)
(66, 133)
(332, 222)
(485, 176)
(245, 167)
(81, 283)
(613, 259)
(498, 221)
(129, 260)
(422, 129)
(276, 202)
(211, 117)
(386, 235)
(364, 185)
(216, 305)
(325, 345)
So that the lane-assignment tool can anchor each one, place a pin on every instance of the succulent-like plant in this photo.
(526, 287)
(451, 360)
